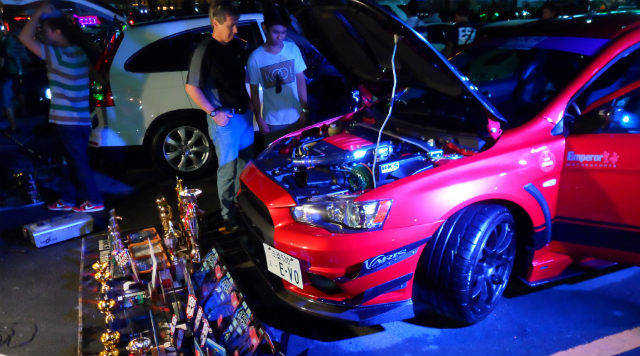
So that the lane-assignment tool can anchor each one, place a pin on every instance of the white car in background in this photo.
(77, 7)
(143, 102)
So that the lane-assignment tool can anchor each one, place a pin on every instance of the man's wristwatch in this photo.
(213, 112)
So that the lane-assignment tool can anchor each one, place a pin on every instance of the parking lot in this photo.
(596, 314)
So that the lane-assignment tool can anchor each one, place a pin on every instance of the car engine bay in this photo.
(337, 158)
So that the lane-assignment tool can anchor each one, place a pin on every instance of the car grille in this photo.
(256, 215)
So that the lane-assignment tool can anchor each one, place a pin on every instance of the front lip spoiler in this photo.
(363, 315)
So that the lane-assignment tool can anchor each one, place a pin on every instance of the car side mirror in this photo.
(568, 120)
(604, 115)
(560, 129)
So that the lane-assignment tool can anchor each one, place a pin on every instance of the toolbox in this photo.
(59, 228)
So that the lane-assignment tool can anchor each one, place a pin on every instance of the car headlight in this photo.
(343, 214)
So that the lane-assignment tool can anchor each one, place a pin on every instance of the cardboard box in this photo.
(57, 229)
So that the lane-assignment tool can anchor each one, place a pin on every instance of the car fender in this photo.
(499, 174)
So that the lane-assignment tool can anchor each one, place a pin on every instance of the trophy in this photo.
(189, 209)
(110, 341)
(105, 306)
(139, 346)
(100, 266)
(119, 252)
(178, 190)
(103, 276)
(169, 234)
(114, 352)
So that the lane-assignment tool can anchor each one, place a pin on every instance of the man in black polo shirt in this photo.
(216, 83)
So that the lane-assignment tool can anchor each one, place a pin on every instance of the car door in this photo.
(599, 199)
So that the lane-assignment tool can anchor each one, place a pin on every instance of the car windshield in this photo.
(519, 76)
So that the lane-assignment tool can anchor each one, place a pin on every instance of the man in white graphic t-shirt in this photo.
(278, 67)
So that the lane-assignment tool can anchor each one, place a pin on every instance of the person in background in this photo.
(67, 55)
(548, 11)
(278, 67)
(19, 61)
(462, 34)
(6, 82)
(217, 84)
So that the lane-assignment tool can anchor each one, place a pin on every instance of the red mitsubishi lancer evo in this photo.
(527, 164)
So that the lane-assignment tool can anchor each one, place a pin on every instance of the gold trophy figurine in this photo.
(100, 266)
(190, 221)
(110, 338)
(110, 341)
(178, 190)
(170, 236)
(114, 352)
(102, 275)
(105, 306)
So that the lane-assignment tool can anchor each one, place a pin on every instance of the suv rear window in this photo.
(172, 53)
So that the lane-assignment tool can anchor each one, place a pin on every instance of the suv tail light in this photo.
(101, 95)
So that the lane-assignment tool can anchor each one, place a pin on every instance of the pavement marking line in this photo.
(80, 299)
(608, 345)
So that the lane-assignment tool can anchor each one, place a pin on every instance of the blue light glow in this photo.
(359, 154)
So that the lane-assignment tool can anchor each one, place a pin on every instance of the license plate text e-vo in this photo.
(283, 265)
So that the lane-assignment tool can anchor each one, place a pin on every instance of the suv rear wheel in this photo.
(466, 265)
(182, 146)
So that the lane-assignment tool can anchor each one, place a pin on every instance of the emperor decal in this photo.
(604, 160)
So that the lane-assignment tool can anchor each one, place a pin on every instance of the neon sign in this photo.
(88, 20)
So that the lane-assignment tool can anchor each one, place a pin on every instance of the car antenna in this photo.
(396, 38)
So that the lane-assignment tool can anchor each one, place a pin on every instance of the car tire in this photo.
(466, 265)
(182, 147)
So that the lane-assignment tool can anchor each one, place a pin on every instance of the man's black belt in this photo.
(234, 111)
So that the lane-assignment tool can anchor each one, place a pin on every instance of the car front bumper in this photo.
(364, 278)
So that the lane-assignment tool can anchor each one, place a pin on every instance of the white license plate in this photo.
(283, 265)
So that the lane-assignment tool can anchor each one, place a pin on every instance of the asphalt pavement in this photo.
(595, 314)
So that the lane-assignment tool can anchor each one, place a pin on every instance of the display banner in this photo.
(233, 325)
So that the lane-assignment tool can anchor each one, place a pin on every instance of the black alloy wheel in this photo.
(466, 264)
(493, 268)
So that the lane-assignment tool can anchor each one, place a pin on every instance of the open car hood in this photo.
(357, 37)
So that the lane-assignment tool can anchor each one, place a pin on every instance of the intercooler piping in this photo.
(416, 143)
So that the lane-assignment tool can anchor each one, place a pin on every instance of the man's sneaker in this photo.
(60, 205)
(88, 207)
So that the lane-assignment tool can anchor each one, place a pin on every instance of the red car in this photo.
(529, 165)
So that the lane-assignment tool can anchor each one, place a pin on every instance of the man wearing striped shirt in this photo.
(68, 72)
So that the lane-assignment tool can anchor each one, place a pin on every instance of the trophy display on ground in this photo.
(159, 296)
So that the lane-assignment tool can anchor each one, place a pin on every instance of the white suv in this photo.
(144, 101)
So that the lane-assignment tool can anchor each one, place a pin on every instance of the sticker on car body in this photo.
(389, 167)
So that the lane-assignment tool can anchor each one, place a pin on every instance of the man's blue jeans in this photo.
(234, 148)
(80, 185)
